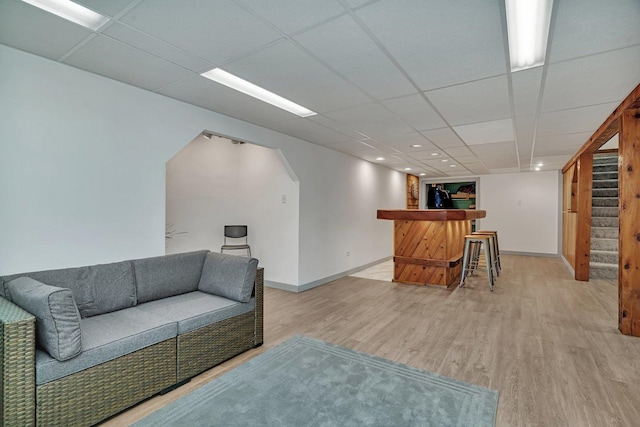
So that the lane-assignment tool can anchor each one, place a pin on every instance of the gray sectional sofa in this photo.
(82, 344)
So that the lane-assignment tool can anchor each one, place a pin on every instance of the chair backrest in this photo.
(235, 231)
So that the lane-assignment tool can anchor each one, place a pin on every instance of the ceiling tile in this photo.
(343, 45)
(404, 141)
(285, 69)
(477, 168)
(158, 48)
(459, 152)
(309, 131)
(585, 119)
(443, 138)
(609, 77)
(504, 170)
(118, 61)
(526, 90)
(585, 27)
(30, 29)
(358, 149)
(497, 155)
(293, 16)
(478, 101)
(215, 31)
(109, 8)
(415, 110)
(371, 119)
(487, 132)
(216, 97)
(427, 155)
(440, 44)
(338, 127)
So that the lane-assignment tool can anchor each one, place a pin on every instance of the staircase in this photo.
(604, 218)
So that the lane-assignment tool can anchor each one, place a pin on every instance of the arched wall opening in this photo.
(214, 182)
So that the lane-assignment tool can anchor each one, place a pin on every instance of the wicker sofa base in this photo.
(96, 393)
(211, 345)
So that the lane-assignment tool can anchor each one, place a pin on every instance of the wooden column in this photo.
(629, 216)
(583, 226)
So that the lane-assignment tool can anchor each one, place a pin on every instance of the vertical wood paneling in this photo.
(583, 226)
(629, 217)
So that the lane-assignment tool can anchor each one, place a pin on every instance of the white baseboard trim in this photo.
(530, 254)
(315, 283)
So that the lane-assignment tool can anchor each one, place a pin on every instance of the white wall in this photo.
(523, 208)
(212, 183)
(83, 174)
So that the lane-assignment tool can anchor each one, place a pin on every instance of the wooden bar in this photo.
(428, 244)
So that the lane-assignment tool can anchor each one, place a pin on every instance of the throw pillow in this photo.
(57, 317)
(228, 276)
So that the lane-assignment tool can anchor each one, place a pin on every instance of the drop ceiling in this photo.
(383, 75)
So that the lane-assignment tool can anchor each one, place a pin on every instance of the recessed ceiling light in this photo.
(416, 145)
(537, 168)
(540, 164)
(422, 174)
(528, 28)
(444, 160)
(241, 85)
(452, 166)
(435, 154)
(407, 169)
(379, 158)
(71, 12)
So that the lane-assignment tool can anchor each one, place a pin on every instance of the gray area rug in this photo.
(307, 382)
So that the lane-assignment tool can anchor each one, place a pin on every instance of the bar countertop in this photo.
(431, 214)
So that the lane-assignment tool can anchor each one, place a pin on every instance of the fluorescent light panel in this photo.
(241, 85)
(71, 12)
(528, 26)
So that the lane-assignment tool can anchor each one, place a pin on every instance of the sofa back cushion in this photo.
(228, 276)
(96, 289)
(168, 275)
(57, 318)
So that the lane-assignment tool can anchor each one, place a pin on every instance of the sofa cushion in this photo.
(96, 289)
(107, 337)
(57, 318)
(168, 275)
(228, 276)
(196, 309)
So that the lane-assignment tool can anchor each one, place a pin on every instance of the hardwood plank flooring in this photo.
(549, 344)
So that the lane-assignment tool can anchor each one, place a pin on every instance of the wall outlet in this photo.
(284, 198)
(348, 253)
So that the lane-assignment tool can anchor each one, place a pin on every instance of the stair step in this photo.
(605, 257)
(603, 271)
(604, 212)
(598, 176)
(604, 222)
(606, 183)
(604, 201)
(606, 168)
(604, 192)
(598, 160)
(600, 244)
(604, 232)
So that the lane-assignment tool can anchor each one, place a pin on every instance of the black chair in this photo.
(236, 232)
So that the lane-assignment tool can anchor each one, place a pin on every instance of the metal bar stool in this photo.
(472, 245)
(492, 247)
(496, 245)
(236, 232)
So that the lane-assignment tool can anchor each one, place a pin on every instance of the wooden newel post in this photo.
(629, 217)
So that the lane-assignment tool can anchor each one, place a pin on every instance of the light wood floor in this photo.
(547, 343)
